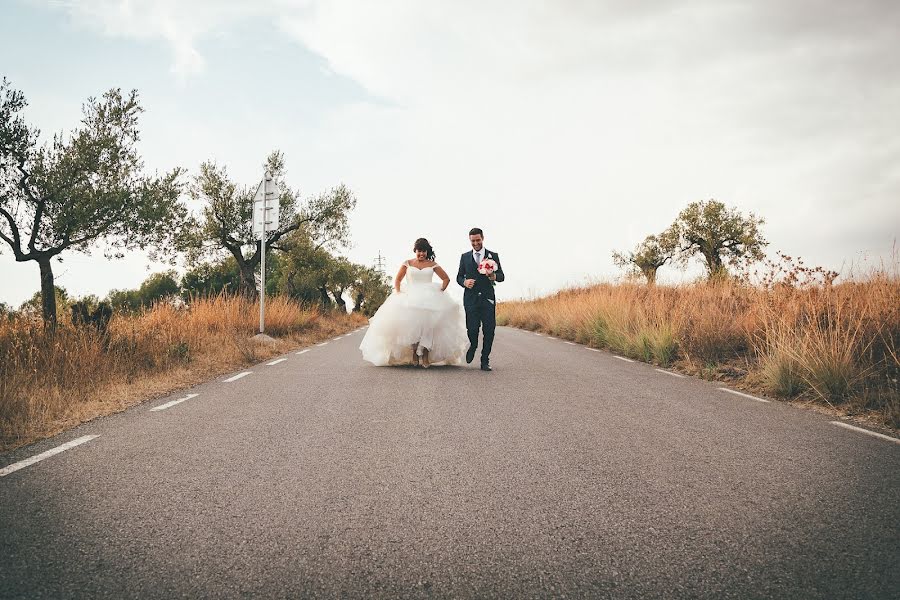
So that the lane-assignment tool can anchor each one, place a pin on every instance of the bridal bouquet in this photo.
(487, 266)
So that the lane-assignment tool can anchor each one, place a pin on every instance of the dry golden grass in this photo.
(49, 383)
(832, 344)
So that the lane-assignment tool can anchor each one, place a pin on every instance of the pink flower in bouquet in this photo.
(487, 266)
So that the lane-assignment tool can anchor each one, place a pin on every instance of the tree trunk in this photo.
(247, 269)
(326, 300)
(714, 264)
(248, 281)
(48, 293)
(339, 299)
(650, 274)
(291, 289)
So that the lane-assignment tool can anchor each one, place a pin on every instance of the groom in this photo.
(478, 298)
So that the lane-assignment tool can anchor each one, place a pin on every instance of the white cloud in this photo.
(180, 25)
(578, 127)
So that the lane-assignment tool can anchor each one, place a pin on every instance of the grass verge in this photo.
(836, 346)
(52, 382)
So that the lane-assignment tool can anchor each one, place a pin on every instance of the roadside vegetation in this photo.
(772, 326)
(53, 380)
(65, 360)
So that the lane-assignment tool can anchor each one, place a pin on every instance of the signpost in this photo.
(265, 218)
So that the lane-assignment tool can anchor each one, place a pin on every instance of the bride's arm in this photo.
(443, 275)
(400, 274)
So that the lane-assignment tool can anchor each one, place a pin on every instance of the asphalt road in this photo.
(564, 473)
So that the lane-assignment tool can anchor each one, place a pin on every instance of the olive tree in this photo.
(225, 223)
(721, 235)
(648, 256)
(82, 189)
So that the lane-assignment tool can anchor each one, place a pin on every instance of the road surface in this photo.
(565, 472)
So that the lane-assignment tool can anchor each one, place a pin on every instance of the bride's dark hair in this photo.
(422, 244)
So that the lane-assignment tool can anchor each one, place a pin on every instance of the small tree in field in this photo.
(721, 235)
(81, 190)
(211, 279)
(307, 270)
(225, 223)
(371, 289)
(342, 277)
(648, 256)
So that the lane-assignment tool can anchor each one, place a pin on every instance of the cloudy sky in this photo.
(565, 129)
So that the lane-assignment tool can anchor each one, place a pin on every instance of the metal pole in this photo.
(262, 244)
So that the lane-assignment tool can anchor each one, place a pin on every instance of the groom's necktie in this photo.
(478, 258)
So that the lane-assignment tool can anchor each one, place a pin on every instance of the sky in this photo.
(565, 129)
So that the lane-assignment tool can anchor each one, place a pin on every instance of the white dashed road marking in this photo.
(571, 343)
(629, 360)
(303, 351)
(173, 403)
(238, 376)
(743, 395)
(275, 362)
(322, 344)
(39, 457)
(866, 431)
(670, 373)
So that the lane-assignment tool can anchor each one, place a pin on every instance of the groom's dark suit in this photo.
(479, 302)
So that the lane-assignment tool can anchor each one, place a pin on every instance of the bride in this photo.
(418, 323)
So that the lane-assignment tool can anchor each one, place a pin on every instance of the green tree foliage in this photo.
(722, 236)
(6, 311)
(341, 279)
(371, 289)
(212, 278)
(82, 189)
(34, 305)
(124, 300)
(225, 224)
(157, 287)
(306, 270)
(648, 256)
(310, 274)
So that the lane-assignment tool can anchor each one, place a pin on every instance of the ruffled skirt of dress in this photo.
(422, 314)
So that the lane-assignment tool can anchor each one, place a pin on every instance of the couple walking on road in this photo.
(419, 324)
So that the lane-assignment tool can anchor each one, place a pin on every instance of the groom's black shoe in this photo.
(470, 354)
(486, 367)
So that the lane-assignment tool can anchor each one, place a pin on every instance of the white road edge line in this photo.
(337, 338)
(629, 360)
(322, 344)
(39, 457)
(736, 393)
(303, 351)
(173, 402)
(571, 343)
(236, 377)
(538, 334)
(670, 373)
(275, 362)
(866, 431)
(593, 350)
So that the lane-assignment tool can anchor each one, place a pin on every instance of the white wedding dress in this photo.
(420, 314)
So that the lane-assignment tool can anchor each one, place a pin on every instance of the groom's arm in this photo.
(499, 271)
(461, 275)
